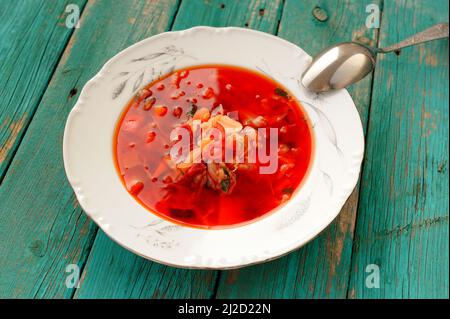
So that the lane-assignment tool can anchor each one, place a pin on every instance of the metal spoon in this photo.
(346, 63)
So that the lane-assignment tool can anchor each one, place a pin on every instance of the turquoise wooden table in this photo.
(395, 226)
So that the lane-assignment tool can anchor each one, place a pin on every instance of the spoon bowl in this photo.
(338, 66)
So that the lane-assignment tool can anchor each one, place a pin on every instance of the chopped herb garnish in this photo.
(192, 110)
(288, 191)
(225, 185)
(281, 92)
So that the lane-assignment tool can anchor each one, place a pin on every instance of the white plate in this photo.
(89, 162)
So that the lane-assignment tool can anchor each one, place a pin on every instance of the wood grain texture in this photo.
(262, 15)
(42, 228)
(33, 36)
(321, 268)
(403, 218)
(113, 272)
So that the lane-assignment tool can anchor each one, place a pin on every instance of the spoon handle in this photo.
(437, 31)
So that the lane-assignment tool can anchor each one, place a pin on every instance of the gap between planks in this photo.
(361, 173)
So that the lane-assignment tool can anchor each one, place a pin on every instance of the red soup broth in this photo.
(142, 145)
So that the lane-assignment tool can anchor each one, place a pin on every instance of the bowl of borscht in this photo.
(201, 149)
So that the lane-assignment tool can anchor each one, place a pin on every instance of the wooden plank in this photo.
(321, 268)
(403, 220)
(42, 228)
(113, 272)
(33, 35)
